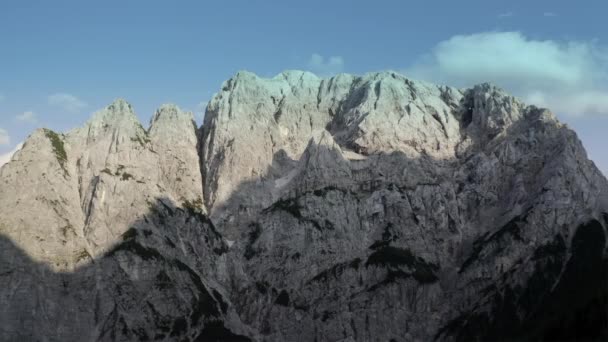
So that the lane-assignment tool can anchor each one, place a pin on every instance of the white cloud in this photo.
(67, 102)
(505, 15)
(5, 139)
(570, 77)
(325, 66)
(29, 117)
(574, 104)
(549, 14)
(5, 158)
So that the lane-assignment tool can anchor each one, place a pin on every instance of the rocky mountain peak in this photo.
(169, 111)
(118, 111)
(491, 109)
(322, 163)
(307, 208)
(117, 119)
(169, 120)
(120, 105)
(298, 78)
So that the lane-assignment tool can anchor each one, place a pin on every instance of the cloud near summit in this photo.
(29, 117)
(570, 77)
(67, 102)
(4, 137)
(325, 66)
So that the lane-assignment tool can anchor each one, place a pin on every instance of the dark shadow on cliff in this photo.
(565, 298)
(156, 283)
(547, 305)
(485, 242)
(250, 197)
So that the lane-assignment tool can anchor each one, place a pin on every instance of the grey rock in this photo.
(354, 208)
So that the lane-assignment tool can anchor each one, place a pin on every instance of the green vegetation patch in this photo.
(141, 140)
(58, 148)
(82, 254)
(193, 207)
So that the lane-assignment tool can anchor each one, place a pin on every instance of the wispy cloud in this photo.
(5, 139)
(506, 15)
(67, 102)
(325, 66)
(29, 117)
(570, 77)
(549, 14)
(5, 158)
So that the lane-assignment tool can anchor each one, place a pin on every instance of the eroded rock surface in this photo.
(354, 208)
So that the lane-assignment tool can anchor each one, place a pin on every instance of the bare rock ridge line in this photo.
(352, 208)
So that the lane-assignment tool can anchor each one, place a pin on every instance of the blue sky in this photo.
(62, 60)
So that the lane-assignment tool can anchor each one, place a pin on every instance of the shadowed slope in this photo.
(353, 208)
(156, 284)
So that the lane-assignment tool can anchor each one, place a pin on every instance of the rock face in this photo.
(354, 208)
(104, 235)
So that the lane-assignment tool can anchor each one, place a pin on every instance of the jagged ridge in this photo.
(349, 205)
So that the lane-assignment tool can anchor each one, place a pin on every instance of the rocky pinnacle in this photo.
(350, 208)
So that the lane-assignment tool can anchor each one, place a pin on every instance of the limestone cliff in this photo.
(354, 208)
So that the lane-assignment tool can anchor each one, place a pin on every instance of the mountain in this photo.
(353, 208)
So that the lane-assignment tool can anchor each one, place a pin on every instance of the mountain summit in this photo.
(351, 208)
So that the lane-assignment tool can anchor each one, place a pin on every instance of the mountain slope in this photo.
(357, 208)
